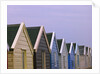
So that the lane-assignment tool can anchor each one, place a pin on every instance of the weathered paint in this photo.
(54, 58)
(54, 51)
(71, 59)
(38, 55)
(77, 62)
(63, 56)
(83, 63)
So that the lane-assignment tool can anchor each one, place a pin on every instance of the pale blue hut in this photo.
(54, 59)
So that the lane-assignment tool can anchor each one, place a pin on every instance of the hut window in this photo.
(43, 60)
(64, 61)
(24, 59)
(78, 60)
(55, 59)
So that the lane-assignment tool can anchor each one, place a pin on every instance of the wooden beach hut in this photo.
(63, 54)
(90, 57)
(41, 47)
(20, 53)
(76, 50)
(82, 52)
(87, 57)
(71, 56)
(54, 58)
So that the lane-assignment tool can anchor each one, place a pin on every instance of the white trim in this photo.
(71, 47)
(76, 49)
(46, 39)
(62, 45)
(52, 39)
(17, 35)
(84, 50)
(38, 38)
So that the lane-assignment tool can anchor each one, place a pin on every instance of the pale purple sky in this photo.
(72, 22)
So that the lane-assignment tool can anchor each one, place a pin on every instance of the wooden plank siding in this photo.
(38, 55)
(22, 44)
(15, 57)
(72, 59)
(54, 51)
(64, 54)
(10, 59)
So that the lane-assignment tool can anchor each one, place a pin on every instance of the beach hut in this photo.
(76, 50)
(82, 52)
(54, 58)
(90, 57)
(20, 53)
(71, 55)
(87, 57)
(63, 54)
(41, 47)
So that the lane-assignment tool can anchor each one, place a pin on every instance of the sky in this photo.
(71, 22)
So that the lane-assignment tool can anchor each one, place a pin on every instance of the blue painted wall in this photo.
(71, 60)
(53, 51)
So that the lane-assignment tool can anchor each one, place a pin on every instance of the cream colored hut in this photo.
(20, 54)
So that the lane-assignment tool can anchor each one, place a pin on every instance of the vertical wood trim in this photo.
(44, 60)
(24, 59)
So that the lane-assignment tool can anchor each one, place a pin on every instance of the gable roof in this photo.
(59, 41)
(49, 37)
(74, 45)
(11, 33)
(82, 50)
(68, 46)
(35, 34)
(86, 50)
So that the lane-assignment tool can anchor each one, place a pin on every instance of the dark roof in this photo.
(59, 43)
(33, 33)
(68, 46)
(86, 50)
(11, 33)
(49, 37)
(74, 44)
(81, 50)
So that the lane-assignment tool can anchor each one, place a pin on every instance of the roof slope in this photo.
(59, 43)
(74, 45)
(11, 33)
(68, 46)
(81, 50)
(49, 37)
(33, 33)
(87, 50)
